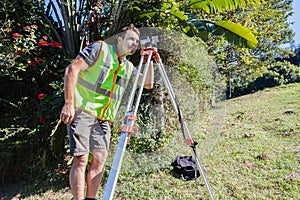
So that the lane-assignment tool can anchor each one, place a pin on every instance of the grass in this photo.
(250, 150)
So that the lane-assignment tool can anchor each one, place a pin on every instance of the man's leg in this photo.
(95, 172)
(77, 176)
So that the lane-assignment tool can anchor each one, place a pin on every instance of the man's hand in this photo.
(67, 113)
(70, 79)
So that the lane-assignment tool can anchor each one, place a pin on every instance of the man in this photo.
(94, 85)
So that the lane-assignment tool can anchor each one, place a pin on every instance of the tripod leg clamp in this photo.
(129, 129)
(129, 117)
(189, 141)
(126, 127)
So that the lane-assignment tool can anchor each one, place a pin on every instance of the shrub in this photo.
(190, 71)
(30, 60)
(279, 73)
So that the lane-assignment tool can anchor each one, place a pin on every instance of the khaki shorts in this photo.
(87, 133)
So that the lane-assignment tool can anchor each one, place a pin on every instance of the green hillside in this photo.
(251, 150)
(255, 153)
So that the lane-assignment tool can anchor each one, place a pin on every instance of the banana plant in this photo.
(188, 16)
(76, 23)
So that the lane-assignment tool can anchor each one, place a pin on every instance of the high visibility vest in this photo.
(100, 87)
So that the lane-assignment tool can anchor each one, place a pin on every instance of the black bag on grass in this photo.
(185, 167)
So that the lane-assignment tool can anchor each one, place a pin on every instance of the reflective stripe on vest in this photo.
(100, 87)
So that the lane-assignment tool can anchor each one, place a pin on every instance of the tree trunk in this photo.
(229, 87)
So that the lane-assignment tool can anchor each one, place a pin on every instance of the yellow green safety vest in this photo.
(100, 87)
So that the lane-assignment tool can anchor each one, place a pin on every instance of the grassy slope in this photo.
(256, 154)
(259, 151)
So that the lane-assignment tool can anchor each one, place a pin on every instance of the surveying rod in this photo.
(123, 138)
(184, 128)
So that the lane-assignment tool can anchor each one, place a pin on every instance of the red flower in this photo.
(18, 24)
(43, 43)
(16, 35)
(19, 52)
(55, 44)
(40, 96)
(42, 120)
(35, 27)
(41, 60)
(32, 63)
(45, 37)
(29, 28)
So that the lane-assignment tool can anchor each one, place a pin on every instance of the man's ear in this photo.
(119, 39)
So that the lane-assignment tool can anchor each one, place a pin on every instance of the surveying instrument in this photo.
(149, 53)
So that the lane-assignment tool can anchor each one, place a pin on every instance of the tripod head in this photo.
(150, 41)
(149, 47)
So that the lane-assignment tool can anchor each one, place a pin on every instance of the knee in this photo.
(80, 161)
(98, 162)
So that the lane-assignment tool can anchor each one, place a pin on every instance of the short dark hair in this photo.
(129, 28)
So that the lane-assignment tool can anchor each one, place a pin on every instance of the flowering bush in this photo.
(32, 51)
(30, 60)
(35, 58)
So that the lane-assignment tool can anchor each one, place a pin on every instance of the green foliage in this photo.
(272, 28)
(152, 133)
(30, 61)
(194, 63)
(191, 74)
(239, 30)
(188, 17)
(266, 22)
(278, 74)
(216, 6)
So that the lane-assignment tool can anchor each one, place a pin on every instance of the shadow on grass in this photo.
(49, 186)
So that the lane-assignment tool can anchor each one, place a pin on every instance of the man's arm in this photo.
(70, 79)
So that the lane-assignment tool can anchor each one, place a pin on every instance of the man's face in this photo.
(129, 44)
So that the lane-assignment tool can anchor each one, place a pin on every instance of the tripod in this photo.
(147, 55)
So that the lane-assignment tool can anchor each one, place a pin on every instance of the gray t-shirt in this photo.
(91, 53)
